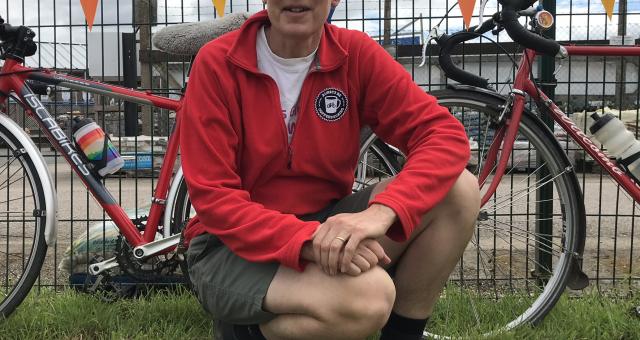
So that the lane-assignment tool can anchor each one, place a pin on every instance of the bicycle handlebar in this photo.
(19, 40)
(524, 37)
(507, 19)
(447, 43)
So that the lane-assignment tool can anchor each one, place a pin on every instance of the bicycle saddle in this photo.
(187, 38)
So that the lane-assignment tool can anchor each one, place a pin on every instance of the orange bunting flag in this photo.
(219, 5)
(466, 7)
(89, 8)
(608, 6)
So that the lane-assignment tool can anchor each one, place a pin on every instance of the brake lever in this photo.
(529, 12)
(499, 28)
(435, 33)
(483, 4)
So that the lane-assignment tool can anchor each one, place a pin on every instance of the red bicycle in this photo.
(531, 230)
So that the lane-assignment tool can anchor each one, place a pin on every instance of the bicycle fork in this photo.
(504, 137)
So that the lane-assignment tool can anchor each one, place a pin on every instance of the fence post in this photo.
(130, 71)
(544, 197)
(620, 98)
(144, 12)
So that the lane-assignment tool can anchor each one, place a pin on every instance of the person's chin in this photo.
(298, 31)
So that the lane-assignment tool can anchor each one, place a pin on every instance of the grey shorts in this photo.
(233, 289)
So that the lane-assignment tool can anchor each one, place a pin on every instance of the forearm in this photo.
(384, 214)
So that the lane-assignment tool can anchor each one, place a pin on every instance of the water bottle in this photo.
(96, 146)
(620, 142)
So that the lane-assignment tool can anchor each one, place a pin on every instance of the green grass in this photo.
(171, 315)
(71, 315)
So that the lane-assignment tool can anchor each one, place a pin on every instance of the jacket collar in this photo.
(329, 56)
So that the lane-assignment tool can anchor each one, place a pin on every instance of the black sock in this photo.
(248, 332)
(402, 328)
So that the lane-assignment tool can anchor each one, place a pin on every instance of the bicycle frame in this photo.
(507, 133)
(14, 81)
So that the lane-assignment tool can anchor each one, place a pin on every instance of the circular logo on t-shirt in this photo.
(331, 104)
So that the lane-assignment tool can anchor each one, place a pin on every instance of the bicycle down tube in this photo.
(16, 82)
(523, 84)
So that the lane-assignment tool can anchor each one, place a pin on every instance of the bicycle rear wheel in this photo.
(518, 261)
(22, 244)
(376, 162)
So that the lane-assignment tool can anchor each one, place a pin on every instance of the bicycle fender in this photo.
(50, 197)
(168, 209)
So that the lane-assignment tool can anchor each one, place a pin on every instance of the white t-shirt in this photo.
(289, 74)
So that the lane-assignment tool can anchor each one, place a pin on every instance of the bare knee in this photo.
(367, 302)
(463, 201)
(467, 184)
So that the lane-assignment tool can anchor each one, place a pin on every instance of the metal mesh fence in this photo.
(584, 84)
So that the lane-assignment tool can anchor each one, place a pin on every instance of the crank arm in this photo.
(99, 267)
(155, 247)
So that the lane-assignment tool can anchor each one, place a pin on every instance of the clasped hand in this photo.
(347, 242)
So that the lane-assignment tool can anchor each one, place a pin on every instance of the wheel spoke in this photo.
(17, 212)
(477, 244)
(14, 255)
(481, 155)
(548, 249)
(368, 165)
(16, 236)
(20, 254)
(523, 204)
(528, 192)
(526, 179)
(500, 199)
(7, 166)
(523, 234)
(505, 245)
(540, 265)
(14, 199)
(2, 185)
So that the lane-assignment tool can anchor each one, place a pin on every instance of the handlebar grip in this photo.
(525, 38)
(8, 32)
(38, 87)
(450, 70)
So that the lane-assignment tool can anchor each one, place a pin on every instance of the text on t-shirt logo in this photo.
(331, 104)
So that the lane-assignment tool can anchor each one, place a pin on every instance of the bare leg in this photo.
(426, 260)
(314, 305)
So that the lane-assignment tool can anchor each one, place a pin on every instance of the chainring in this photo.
(155, 269)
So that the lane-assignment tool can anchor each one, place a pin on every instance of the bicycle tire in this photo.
(567, 227)
(379, 160)
(11, 295)
(376, 160)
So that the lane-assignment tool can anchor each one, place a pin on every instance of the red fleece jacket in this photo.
(245, 181)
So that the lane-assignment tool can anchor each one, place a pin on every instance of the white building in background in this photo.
(101, 57)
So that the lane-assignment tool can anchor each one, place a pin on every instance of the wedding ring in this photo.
(341, 239)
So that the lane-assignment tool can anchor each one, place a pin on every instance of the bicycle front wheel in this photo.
(517, 263)
(22, 243)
